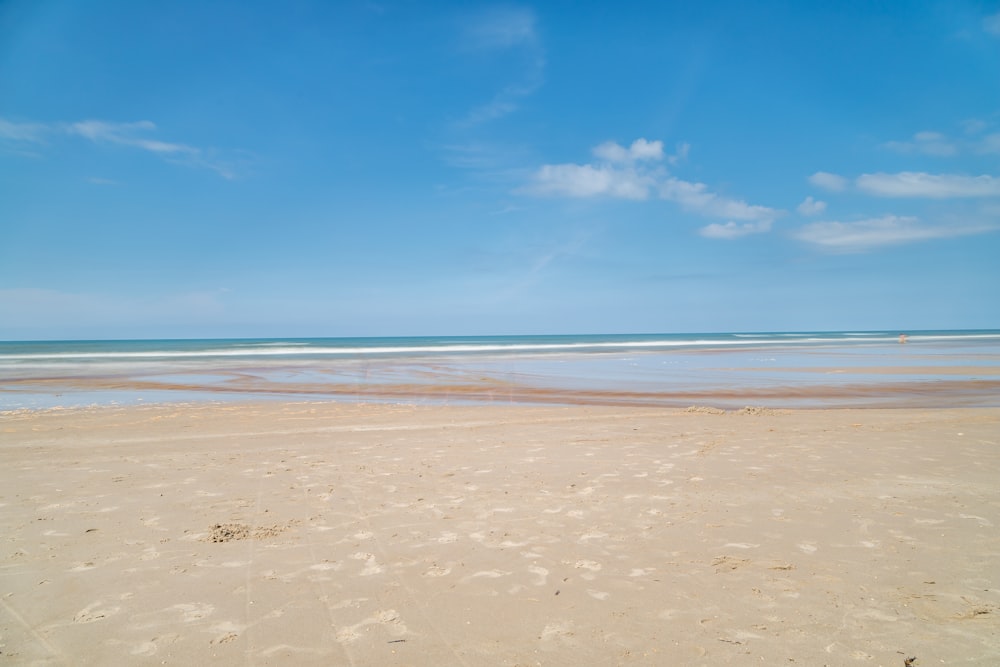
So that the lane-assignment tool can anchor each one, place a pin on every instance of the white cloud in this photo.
(584, 180)
(937, 186)
(974, 125)
(625, 173)
(682, 153)
(828, 181)
(863, 235)
(989, 144)
(30, 132)
(641, 149)
(125, 134)
(991, 24)
(928, 143)
(733, 230)
(505, 29)
(500, 28)
(941, 145)
(810, 206)
(133, 135)
(697, 198)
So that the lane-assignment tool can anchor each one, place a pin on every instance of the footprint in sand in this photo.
(593, 535)
(325, 566)
(488, 574)
(153, 645)
(389, 619)
(82, 567)
(371, 565)
(149, 553)
(225, 632)
(193, 611)
(591, 565)
(91, 613)
(541, 575)
(726, 563)
(561, 632)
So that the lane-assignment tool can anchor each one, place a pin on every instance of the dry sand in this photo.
(334, 534)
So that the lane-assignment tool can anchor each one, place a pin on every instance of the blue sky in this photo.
(241, 168)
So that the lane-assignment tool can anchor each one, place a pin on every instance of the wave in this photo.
(408, 349)
(444, 346)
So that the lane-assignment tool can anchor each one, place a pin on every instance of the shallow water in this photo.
(856, 369)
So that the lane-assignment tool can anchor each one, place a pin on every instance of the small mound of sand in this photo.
(705, 410)
(228, 532)
(757, 411)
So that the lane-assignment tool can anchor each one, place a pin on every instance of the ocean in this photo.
(779, 369)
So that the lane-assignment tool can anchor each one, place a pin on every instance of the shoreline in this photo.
(819, 370)
(394, 534)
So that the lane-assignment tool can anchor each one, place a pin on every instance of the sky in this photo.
(308, 168)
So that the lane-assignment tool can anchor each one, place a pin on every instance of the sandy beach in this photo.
(339, 534)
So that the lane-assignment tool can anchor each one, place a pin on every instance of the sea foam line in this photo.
(421, 349)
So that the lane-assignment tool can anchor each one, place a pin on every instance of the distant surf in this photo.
(774, 368)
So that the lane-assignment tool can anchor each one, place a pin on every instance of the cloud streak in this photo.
(927, 143)
(131, 135)
(887, 230)
(732, 230)
(505, 29)
(934, 186)
(991, 24)
(940, 145)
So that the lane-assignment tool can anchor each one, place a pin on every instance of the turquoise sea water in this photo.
(783, 369)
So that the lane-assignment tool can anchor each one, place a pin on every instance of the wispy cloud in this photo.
(506, 101)
(505, 29)
(810, 206)
(991, 24)
(635, 172)
(928, 143)
(871, 233)
(935, 186)
(133, 135)
(96, 180)
(27, 132)
(129, 134)
(940, 144)
(500, 28)
(990, 144)
(682, 153)
(828, 181)
(697, 198)
(734, 230)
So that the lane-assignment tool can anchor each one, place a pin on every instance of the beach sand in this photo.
(340, 534)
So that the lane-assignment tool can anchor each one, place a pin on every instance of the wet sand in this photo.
(465, 382)
(338, 534)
